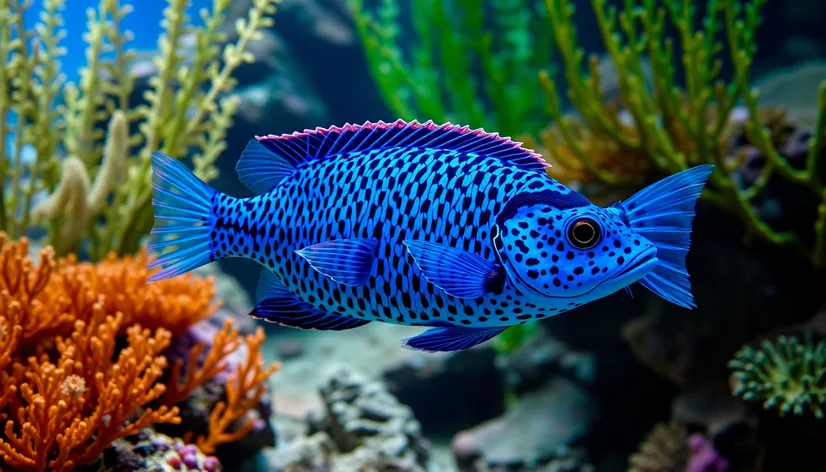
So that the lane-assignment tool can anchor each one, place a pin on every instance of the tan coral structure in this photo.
(665, 449)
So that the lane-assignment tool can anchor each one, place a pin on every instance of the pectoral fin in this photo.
(346, 261)
(459, 273)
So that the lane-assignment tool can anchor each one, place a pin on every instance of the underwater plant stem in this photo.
(232, 59)
(158, 105)
(555, 111)
(89, 84)
(49, 77)
(5, 36)
(819, 252)
(813, 156)
(173, 133)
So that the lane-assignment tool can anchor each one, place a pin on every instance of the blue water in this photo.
(144, 22)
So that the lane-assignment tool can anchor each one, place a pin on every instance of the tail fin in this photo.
(183, 218)
(663, 212)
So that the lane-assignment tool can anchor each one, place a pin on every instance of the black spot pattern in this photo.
(552, 267)
(391, 195)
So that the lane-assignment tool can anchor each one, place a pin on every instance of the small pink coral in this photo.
(704, 458)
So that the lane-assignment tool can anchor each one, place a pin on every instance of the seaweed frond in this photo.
(662, 119)
(465, 68)
(189, 107)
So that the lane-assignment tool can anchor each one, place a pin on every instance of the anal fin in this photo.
(276, 304)
(453, 338)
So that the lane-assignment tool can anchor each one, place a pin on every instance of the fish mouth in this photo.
(636, 269)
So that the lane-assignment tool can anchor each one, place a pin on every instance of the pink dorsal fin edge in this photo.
(300, 147)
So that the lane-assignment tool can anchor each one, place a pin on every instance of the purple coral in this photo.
(703, 456)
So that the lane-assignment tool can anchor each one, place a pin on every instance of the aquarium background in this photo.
(624, 383)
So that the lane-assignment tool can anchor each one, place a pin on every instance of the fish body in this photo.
(417, 224)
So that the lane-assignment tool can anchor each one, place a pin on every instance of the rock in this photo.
(305, 454)
(362, 413)
(235, 303)
(692, 347)
(289, 348)
(714, 411)
(542, 426)
(153, 452)
(328, 20)
(796, 89)
(438, 387)
(543, 357)
(361, 427)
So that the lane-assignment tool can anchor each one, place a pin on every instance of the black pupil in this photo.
(584, 232)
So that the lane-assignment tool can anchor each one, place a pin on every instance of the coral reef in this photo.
(187, 106)
(83, 358)
(788, 374)
(670, 448)
(149, 450)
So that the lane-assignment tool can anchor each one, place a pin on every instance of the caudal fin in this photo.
(183, 218)
(663, 212)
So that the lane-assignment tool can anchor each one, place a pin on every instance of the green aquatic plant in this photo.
(660, 122)
(787, 374)
(511, 339)
(53, 138)
(465, 68)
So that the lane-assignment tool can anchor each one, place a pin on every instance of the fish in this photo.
(458, 230)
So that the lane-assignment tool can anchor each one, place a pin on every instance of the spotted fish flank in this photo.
(419, 224)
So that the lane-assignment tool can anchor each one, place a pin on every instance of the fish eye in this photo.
(583, 233)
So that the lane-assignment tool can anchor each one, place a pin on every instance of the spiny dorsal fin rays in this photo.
(302, 147)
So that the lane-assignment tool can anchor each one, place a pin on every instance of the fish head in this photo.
(580, 253)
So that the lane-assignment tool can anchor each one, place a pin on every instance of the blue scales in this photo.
(420, 224)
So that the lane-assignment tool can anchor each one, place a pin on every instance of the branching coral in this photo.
(70, 410)
(82, 354)
(187, 107)
(787, 374)
(244, 389)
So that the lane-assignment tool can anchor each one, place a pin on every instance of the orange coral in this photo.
(70, 410)
(244, 390)
(67, 388)
(225, 342)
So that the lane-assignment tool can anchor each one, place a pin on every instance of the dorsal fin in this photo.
(300, 148)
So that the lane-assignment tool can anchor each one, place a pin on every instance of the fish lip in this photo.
(642, 263)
